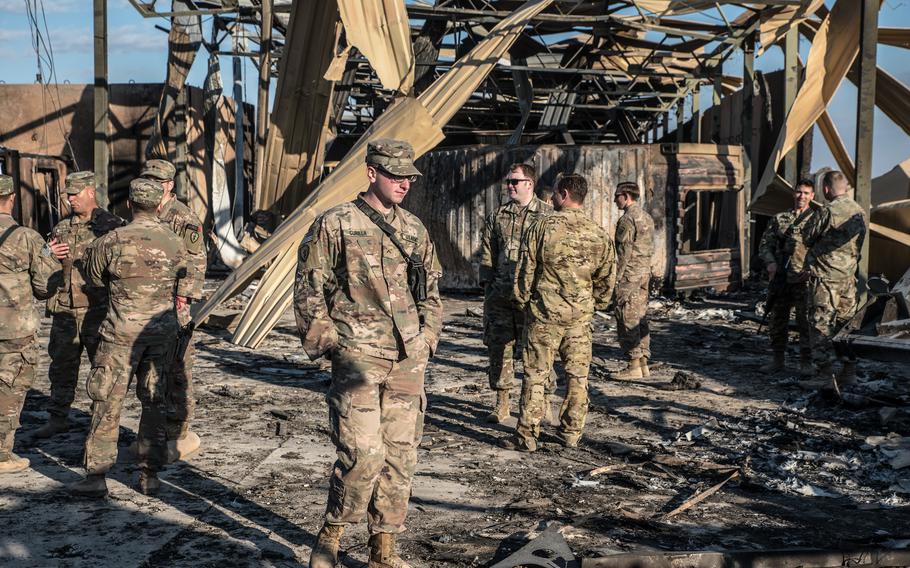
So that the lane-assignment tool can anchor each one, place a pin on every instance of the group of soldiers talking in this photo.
(366, 297)
(118, 292)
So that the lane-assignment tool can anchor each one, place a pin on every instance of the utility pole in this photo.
(262, 103)
(868, 45)
(102, 106)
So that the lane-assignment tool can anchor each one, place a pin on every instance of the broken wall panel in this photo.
(28, 129)
(295, 146)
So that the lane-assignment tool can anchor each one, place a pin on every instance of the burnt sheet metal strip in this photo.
(381, 31)
(796, 558)
(548, 550)
(294, 148)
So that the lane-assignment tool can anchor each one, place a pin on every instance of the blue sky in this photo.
(138, 52)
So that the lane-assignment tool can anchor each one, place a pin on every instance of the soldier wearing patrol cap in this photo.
(366, 296)
(28, 270)
(78, 308)
(143, 264)
(181, 404)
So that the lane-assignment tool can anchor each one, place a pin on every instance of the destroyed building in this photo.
(642, 90)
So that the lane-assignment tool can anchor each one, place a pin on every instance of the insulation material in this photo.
(836, 145)
(891, 96)
(832, 53)
(775, 22)
(892, 186)
(898, 37)
(381, 31)
(416, 120)
(295, 145)
(183, 42)
(889, 234)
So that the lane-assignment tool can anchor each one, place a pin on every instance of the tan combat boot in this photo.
(382, 552)
(847, 374)
(501, 411)
(775, 364)
(183, 447)
(148, 483)
(806, 368)
(55, 425)
(632, 371)
(325, 551)
(569, 440)
(13, 464)
(645, 371)
(94, 485)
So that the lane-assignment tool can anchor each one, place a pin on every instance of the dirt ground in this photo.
(812, 472)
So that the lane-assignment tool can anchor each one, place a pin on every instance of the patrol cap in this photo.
(6, 185)
(146, 191)
(629, 187)
(162, 170)
(393, 156)
(77, 181)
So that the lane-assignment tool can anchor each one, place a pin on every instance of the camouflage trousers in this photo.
(18, 358)
(181, 404)
(376, 409)
(792, 297)
(502, 329)
(543, 341)
(72, 332)
(632, 317)
(115, 366)
(831, 304)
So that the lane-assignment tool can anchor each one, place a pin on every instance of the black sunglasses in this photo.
(397, 179)
(515, 181)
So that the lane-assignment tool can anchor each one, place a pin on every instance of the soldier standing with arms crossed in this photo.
(181, 402)
(78, 308)
(366, 295)
(143, 264)
(503, 236)
(28, 270)
(834, 240)
(783, 249)
(634, 249)
(566, 272)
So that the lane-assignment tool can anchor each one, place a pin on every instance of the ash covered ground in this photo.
(815, 469)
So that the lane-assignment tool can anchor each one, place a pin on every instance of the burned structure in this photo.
(573, 86)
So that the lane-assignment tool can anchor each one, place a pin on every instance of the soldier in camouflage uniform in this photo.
(834, 241)
(783, 239)
(634, 249)
(144, 266)
(78, 308)
(502, 238)
(566, 272)
(354, 305)
(181, 404)
(28, 270)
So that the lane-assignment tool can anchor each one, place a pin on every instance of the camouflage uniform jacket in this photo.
(503, 235)
(835, 240)
(144, 265)
(188, 227)
(74, 292)
(634, 244)
(567, 270)
(351, 289)
(782, 238)
(28, 270)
